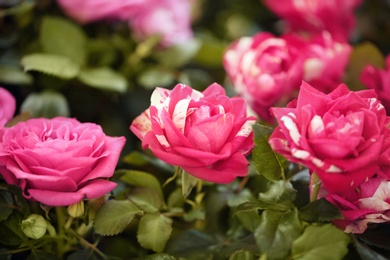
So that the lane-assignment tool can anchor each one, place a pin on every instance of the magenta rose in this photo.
(265, 70)
(339, 135)
(379, 80)
(325, 62)
(171, 19)
(7, 106)
(316, 16)
(207, 134)
(369, 203)
(59, 161)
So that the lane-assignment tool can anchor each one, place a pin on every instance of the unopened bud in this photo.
(34, 226)
(76, 210)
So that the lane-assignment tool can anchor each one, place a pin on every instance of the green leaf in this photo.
(319, 211)
(176, 199)
(280, 196)
(321, 243)
(14, 75)
(276, 232)
(6, 204)
(10, 231)
(141, 179)
(242, 255)
(179, 54)
(211, 52)
(147, 199)
(135, 158)
(365, 252)
(188, 183)
(51, 64)
(249, 214)
(156, 76)
(265, 160)
(234, 199)
(158, 256)
(47, 104)
(195, 214)
(61, 37)
(103, 78)
(362, 54)
(114, 216)
(154, 231)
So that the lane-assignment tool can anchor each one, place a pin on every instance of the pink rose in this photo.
(339, 136)
(7, 106)
(367, 204)
(207, 134)
(379, 80)
(316, 16)
(87, 11)
(265, 70)
(169, 18)
(59, 161)
(325, 62)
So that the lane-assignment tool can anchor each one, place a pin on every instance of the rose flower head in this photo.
(379, 80)
(7, 106)
(265, 70)
(369, 203)
(206, 133)
(339, 135)
(59, 161)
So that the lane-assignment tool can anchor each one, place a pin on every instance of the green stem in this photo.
(315, 185)
(60, 230)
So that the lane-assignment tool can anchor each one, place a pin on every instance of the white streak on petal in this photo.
(317, 162)
(246, 129)
(300, 154)
(316, 125)
(292, 129)
(180, 114)
(163, 141)
(333, 168)
(159, 95)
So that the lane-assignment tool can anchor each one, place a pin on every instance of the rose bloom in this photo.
(7, 106)
(59, 161)
(369, 203)
(325, 62)
(316, 16)
(379, 80)
(339, 135)
(169, 18)
(207, 134)
(265, 70)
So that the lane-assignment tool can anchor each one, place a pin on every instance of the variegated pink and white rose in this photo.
(206, 133)
(379, 80)
(315, 16)
(369, 203)
(325, 62)
(339, 135)
(265, 70)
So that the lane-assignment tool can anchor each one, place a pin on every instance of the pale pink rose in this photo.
(379, 80)
(339, 135)
(87, 11)
(316, 16)
(59, 161)
(369, 203)
(7, 106)
(171, 19)
(325, 62)
(207, 134)
(265, 70)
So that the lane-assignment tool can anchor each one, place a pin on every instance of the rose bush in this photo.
(379, 80)
(367, 204)
(338, 136)
(59, 161)
(207, 134)
(325, 62)
(7, 106)
(265, 69)
(314, 17)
